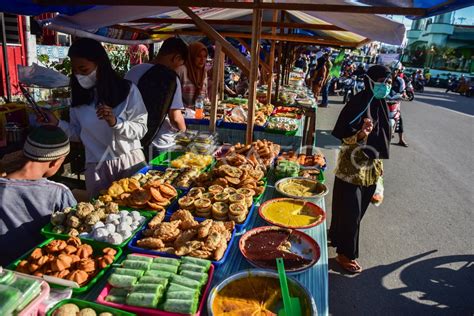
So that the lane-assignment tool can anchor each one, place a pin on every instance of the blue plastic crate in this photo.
(242, 126)
(132, 245)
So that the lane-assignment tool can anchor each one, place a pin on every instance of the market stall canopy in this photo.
(341, 23)
(70, 7)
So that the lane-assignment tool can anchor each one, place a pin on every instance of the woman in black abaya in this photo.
(364, 129)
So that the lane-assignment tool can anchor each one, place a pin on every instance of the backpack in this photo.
(157, 87)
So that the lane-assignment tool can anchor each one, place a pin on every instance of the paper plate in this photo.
(301, 215)
(301, 244)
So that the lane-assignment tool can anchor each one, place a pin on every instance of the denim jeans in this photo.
(325, 92)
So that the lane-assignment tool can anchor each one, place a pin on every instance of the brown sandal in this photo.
(351, 266)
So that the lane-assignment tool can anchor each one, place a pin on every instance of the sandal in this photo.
(402, 143)
(351, 266)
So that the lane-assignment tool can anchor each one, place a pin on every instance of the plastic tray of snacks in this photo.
(166, 158)
(57, 282)
(156, 312)
(98, 308)
(163, 168)
(47, 231)
(238, 227)
(132, 246)
(272, 121)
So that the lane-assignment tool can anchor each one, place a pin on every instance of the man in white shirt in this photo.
(161, 91)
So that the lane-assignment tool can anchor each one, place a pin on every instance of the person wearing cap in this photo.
(27, 197)
(364, 129)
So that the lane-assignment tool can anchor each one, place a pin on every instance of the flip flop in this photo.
(403, 144)
(350, 266)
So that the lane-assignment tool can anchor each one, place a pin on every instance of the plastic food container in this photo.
(96, 245)
(156, 312)
(132, 246)
(84, 304)
(32, 309)
(308, 305)
(21, 294)
(47, 231)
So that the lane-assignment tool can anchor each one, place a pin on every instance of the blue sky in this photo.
(467, 13)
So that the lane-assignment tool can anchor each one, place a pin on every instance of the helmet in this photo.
(396, 65)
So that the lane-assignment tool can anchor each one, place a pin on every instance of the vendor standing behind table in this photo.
(107, 114)
(193, 75)
(27, 198)
(364, 129)
(161, 90)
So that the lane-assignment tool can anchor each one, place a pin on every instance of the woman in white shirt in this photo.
(107, 114)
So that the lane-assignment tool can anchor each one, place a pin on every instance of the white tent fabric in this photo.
(360, 26)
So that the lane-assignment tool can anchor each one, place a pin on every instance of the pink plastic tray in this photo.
(150, 311)
(32, 309)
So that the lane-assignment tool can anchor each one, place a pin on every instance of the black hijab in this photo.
(378, 141)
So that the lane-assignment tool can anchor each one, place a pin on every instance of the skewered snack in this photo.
(67, 259)
(183, 236)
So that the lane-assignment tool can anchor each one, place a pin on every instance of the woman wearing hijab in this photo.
(193, 75)
(364, 129)
(107, 115)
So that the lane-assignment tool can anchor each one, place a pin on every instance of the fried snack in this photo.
(140, 197)
(204, 227)
(213, 240)
(184, 237)
(115, 190)
(200, 254)
(183, 215)
(156, 220)
(188, 247)
(150, 243)
(168, 191)
(196, 192)
(220, 250)
(168, 231)
(186, 203)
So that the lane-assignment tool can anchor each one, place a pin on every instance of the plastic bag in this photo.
(42, 76)
(377, 198)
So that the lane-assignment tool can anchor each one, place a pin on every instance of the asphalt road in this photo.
(417, 248)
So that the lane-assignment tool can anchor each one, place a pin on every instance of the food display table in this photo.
(314, 279)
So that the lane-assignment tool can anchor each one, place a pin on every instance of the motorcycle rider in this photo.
(398, 88)
(419, 83)
(360, 71)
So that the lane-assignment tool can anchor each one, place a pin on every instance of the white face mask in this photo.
(87, 81)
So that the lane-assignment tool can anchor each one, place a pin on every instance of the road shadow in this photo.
(450, 101)
(435, 286)
(324, 139)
